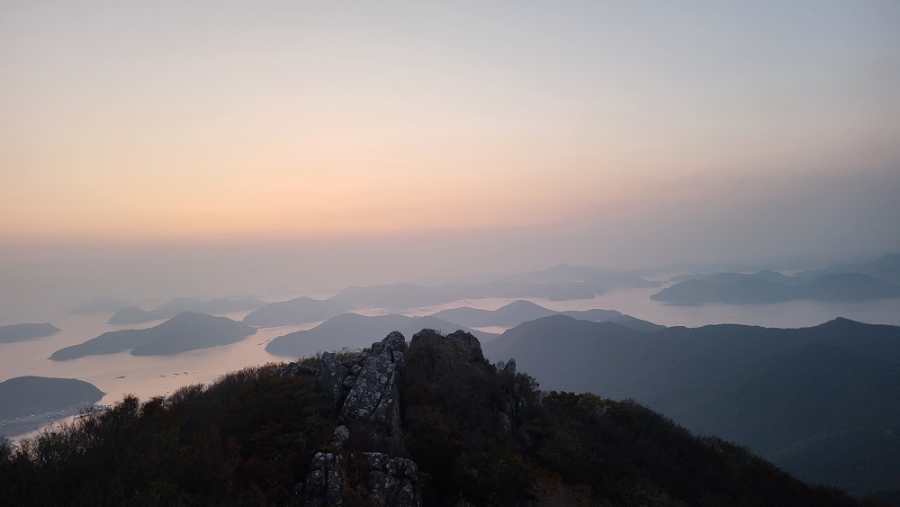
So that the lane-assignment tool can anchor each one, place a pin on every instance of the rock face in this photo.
(392, 481)
(375, 395)
(324, 481)
(469, 346)
(331, 378)
(365, 391)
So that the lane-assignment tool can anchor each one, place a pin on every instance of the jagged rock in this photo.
(323, 482)
(392, 481)
(297, 370)
(394, 342)
(341, 434)
(331, 378)
(375, 397)
(510, 366)
(355, 369)
(468, 344)
(349, 380)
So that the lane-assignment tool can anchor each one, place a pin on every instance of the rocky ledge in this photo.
(365, 391)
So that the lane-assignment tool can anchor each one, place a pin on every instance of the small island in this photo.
(27, 403)
(186, 331)
(26, 332)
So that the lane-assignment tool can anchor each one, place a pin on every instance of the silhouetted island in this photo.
(812, 400)
(134, 315)
(302, 310)
(764, 287)
(886, 267)
(186, 331)
(26, 332)
(399, 296)
(521, 311)
(27, 402)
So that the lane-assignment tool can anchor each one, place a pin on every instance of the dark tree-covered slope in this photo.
(822, 402)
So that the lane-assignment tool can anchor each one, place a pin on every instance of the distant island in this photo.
(400, 296)
(771, 287)
(134, 315)
(521, 311)
(303, 310)
(184, 332)
(27, 402)
(26, 332)
(351, 330)
(811, 400)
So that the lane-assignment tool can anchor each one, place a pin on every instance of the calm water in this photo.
(120, 374)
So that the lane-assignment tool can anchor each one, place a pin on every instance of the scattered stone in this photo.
(341, 434)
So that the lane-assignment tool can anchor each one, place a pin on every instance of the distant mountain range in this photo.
(400, 296)
(186, 331)
(761, 288)
(26, 332)
(823, 402)
(134, 315)
(303, 310)
(885, 268)
(352, 331)
(520, 311)
(26, 401)
(879, 279)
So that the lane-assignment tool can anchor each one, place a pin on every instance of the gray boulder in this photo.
(323, 482)
(392, 481)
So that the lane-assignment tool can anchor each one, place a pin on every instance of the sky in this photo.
(380, 141)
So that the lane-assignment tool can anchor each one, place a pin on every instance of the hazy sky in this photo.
(617, 132)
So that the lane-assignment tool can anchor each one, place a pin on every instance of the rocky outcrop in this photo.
(375, 394)
(469, 348)
(324, 482)
(365, 391)
(331, 378)
(510, 367)
(392, 481)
